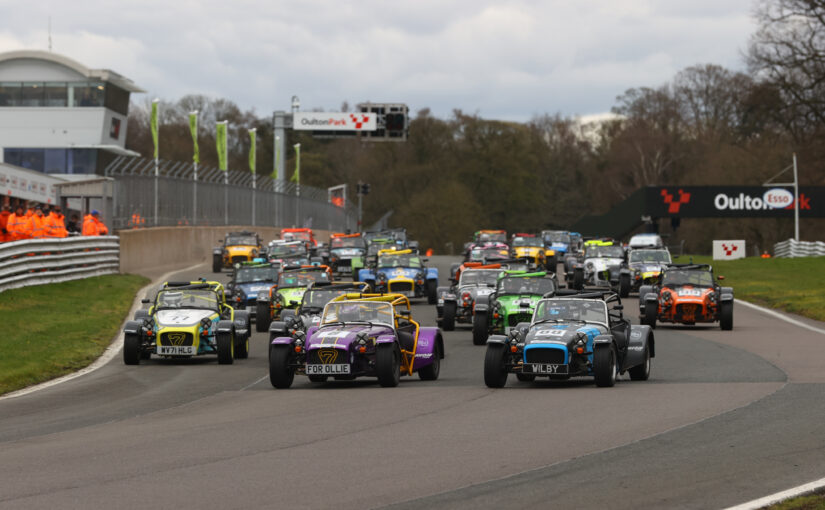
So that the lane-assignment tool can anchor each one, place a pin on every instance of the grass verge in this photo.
(52, 330)
(810, 502)
(794, 285)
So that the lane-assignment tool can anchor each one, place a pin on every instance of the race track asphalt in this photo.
(726, 417)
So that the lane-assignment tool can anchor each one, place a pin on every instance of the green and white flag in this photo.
(296, 177)
(252, 150)
(193, 128)
(220, 141)
(153, 123)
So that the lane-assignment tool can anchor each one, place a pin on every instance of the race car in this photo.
(347, 253)
(644, 267)
(530, 247)
(289, 254)
(490, 253)
(187, 319)
(360, 335)
(248, 280)
(304, 235)
(640, 241)
(512, 302)
(394, 236)
(687, 294)
(237, 247)
(308, 314)
(402, 272)
(557, 240)
(457, 303)
(600, 267)
(572, 335)
(287, 293)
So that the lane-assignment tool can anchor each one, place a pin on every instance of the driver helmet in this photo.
(172, 299)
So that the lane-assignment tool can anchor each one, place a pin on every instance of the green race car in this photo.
(187, 319)
(287, 293)
(513, 301)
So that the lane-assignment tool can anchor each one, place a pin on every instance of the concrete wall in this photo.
(152, 251)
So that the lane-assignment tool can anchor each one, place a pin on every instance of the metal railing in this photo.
(52, 260)
(211, 201)
(792, 248)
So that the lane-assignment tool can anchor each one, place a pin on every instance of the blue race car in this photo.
(572, 335)
(248, 280)
(402, 272)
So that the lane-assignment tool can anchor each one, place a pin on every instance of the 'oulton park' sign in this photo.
(334, 121)
(733, 201)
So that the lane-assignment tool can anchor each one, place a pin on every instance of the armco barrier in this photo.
(145, 250)
(792, 248)
(40, 261)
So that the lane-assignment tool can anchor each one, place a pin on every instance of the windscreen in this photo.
(528, 241)
(405, 260)
(522, 285)
(187, 298)
(358, 311)
(256, 274)
(346, 242)
(696, 277)
(318, 298)
(557, 237)
(241, 241)
(303, 236)
(615, 252)
(571, 310)
(287, 250)
(302, 279)
(479, 276)
(650, 256)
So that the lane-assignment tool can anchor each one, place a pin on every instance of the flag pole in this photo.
(154, 128)
(193, 128)
(252, 161)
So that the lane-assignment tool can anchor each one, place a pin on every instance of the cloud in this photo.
(505, 60)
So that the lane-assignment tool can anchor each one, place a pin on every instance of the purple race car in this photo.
(360, 335)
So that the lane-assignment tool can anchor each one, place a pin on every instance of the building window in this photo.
(54, 161)
(9, 93)
(117, 99)
(32, 94)
(56, 94)
(88, 94)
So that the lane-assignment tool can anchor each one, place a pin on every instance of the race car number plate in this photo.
(333, 369)
(544, 368)
(177, 350)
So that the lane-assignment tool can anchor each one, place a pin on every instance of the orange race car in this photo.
(687, 294)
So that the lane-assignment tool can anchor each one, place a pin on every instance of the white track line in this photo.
(109, 353)
(802, 490)
(781, 316)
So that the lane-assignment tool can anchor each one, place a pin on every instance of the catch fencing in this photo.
(211, 200)
(41, 261)
(792, 248)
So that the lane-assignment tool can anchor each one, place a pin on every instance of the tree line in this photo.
(708, 125)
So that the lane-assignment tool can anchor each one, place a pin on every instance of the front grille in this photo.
(515, 318)
(327, 356)
(239, 258)
(545, 355)
(401, 286)
(176, 338)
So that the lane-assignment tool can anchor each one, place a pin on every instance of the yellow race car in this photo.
(531, 248)
(187, 319)
(237, 247)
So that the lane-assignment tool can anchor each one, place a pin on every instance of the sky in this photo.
(508, 60)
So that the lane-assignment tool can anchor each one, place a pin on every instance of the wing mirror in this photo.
(145, 301)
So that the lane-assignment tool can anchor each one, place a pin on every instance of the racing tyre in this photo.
(526, 377)
(604, 366)
(431, 371)
(495, 375)
(281, 374)
(480, 332)
(217, 263)
(262, 318)
(578, 279)
(432, 294)
(726, 315)
(641, 372)
(651, 309)
(388, 365)
(242, 348)
(448, 321)
(624, 285)
(131, 350)
(317, 378)
(226, 348)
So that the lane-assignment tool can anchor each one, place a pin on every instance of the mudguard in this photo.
(132, 327)
(602, 341)
(428, 338)
(641, 336)
(432, 273)
(281, 340)
(217, 251)
(277, 329)
(225, 327)
(385, 339)
(497, 339)
(726, 294)
(366, 274)
(241, 322)
(482, 303)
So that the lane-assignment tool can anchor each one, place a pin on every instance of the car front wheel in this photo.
(388, 365)
(281, 374)
(495, 373)
(604, 366)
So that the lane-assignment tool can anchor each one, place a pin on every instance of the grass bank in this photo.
(52, 330)
(794, 285)
(810, 502)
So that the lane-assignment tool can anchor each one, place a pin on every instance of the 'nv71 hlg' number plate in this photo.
(544, 369)
(177, 350)
(332, 369)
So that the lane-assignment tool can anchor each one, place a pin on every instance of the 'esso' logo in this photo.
(778, 198)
